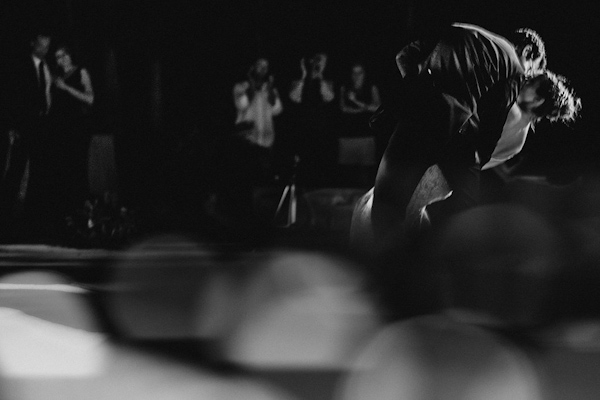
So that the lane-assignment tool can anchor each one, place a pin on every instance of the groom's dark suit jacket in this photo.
(467, 80)
(21, 102)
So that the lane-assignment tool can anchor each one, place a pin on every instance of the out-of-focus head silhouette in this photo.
(500, 260)
(155, 286)
(302, 309)
(434, 357)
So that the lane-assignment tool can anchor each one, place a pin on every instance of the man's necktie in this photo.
(42, 88)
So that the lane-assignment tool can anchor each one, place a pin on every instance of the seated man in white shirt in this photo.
(257, 102)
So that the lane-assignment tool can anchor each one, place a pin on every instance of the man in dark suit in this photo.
(25, 104)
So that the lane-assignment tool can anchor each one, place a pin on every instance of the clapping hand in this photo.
(271, 89)
(303, 68)
(60, 83)
(352, 98)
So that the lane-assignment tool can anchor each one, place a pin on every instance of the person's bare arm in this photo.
(375, 99)
(344, 106)
(86, 96)
(240, 97)
(327, 91)
(298, 86)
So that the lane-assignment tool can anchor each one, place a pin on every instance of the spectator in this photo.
(315, 140)
(26, 101)
(247, 159)
(257, 101)
(73, 95)
(359, 99)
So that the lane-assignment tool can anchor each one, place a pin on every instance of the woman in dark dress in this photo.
(359, 99)
(72, 99)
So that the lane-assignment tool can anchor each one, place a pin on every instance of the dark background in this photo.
(163, 71)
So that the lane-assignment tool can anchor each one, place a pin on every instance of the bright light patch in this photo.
(31, 347)
(52, 288)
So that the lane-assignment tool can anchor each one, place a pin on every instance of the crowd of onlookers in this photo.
(52, 163)
(313, 130)
(327, 122)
